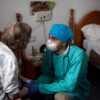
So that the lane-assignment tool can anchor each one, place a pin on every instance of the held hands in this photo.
(32, 87)
(29, 88)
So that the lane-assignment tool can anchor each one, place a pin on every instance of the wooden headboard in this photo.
(92, 17)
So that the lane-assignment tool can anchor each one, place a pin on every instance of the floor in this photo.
(94, 78)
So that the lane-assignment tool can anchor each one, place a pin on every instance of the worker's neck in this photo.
(61, 51)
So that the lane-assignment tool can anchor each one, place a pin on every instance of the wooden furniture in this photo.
(71, 20)
(90, 18)
(18, 17)
(29, 69)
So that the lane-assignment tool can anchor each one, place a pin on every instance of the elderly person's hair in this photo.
(17, 36)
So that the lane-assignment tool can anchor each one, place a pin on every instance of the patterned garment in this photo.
(8, 72)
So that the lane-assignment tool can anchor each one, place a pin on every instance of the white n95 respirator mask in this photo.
(51, 45)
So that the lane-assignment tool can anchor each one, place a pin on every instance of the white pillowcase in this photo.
(91, 31)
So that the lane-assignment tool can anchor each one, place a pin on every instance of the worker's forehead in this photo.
(51, 36)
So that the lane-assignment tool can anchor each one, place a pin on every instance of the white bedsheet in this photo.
(89, 45)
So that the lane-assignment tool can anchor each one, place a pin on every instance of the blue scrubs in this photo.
(66, 72)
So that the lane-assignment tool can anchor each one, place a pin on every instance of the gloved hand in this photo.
(32, 87)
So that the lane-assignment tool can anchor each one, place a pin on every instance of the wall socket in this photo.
(43, 15)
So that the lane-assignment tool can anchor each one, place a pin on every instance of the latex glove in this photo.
(32, 87)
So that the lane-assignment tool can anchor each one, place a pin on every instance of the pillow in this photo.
(91, 31)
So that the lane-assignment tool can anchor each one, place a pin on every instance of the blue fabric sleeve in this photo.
(32, 87)
(77, 70)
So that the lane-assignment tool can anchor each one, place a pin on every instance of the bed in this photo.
(79, 37)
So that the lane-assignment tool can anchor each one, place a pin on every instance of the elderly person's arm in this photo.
(10, 77)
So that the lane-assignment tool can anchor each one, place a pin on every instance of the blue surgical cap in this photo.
(61, 32)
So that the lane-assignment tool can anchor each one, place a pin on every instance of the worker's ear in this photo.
(58, 42)
(65, 44)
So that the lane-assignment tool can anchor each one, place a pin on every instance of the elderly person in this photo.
(14, 37)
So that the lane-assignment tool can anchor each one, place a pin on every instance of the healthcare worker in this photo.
(14, 37)
(64, 68)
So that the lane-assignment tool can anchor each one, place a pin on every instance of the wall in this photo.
(8, 9)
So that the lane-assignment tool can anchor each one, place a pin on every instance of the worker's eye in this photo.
(52, 38)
